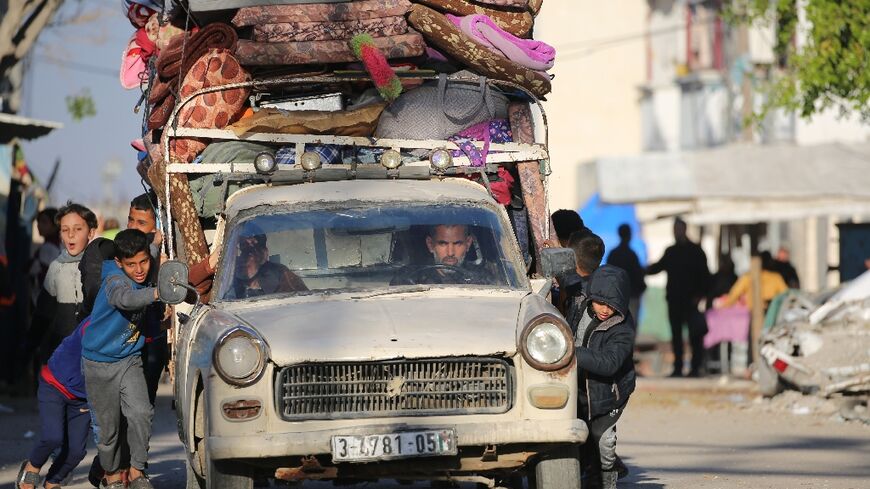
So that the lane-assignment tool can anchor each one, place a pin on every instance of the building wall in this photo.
(593, 110)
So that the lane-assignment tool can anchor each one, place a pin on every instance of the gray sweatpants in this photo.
(117, 389)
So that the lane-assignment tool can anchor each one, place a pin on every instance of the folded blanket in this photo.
(214, 110)
(175, 61)
(535, 55)
(312, 52)
(517, 23)
(329, 31)
(320, 12)
(179, 55)
(442, 34)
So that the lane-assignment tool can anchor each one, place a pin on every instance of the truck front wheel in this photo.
(558, 470)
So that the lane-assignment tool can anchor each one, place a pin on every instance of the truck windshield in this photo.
(378, 247)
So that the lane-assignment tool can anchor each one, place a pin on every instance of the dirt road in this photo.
(676, 433)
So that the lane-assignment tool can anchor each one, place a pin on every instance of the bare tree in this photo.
(21, 22)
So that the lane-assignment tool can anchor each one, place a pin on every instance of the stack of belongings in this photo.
(375, 47)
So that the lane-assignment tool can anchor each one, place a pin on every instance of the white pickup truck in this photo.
(338, 346)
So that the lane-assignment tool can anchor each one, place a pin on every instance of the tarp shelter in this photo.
(13, 126)
(745, 183)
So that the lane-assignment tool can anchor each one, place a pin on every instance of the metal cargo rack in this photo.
(532, 158)
(421, 168)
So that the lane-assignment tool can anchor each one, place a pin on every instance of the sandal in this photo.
(26, 477)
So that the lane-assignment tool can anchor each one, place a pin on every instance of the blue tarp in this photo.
(604, 220)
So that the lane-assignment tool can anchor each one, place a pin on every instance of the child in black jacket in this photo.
(604, 335)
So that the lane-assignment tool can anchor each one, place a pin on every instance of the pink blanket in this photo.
(727, 324)
(535, 55)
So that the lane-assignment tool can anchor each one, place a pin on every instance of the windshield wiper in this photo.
(409, 289)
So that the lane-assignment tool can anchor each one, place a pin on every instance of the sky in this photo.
(67, 60)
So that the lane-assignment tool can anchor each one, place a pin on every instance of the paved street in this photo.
(676, 433)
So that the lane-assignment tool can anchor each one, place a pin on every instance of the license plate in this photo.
(428, 443)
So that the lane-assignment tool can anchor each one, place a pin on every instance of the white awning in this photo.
(745, 183)
(13, 126)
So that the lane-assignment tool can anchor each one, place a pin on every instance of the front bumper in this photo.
(265, 445)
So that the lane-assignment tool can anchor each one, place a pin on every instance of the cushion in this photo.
(251, 53)
(210, 110)
(443, 34)
(363, 9)
(517, 23)
(329, 31)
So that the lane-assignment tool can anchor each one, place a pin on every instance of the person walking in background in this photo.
(783, 265)
(688, 279)
(625, 258)
(721, 281)
(772, 285)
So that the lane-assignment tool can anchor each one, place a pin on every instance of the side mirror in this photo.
(556, 261)
(172, 282)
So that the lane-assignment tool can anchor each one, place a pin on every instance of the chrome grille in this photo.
(394, 388)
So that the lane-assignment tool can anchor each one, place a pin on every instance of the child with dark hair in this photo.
(566, 222)
(111, 351)
(63, 415)
(55, 314)
(588, 251)
(604, 339)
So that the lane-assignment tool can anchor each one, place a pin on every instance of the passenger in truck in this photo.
(255, 275)
(449, 245)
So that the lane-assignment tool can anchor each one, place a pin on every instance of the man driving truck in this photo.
(449, 244)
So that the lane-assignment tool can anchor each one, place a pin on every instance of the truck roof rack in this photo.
(415, 154)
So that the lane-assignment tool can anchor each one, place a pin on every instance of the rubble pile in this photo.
(364, 68)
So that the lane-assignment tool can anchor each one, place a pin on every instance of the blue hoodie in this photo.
(114, 332)
(64, 369)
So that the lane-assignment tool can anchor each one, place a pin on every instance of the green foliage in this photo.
(832, 68)
(81, 105)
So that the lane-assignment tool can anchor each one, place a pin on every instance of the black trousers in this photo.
(686, 312)
(599, 452)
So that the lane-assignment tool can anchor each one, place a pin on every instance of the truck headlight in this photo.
(240, 356)
(547, 343)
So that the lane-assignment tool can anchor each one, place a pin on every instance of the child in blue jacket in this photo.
(63, 414)
(111, 351)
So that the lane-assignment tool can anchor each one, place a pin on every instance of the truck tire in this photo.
(226, 475)
(769, 383)
(559, 470)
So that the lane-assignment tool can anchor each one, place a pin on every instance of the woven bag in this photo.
(438, 110)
